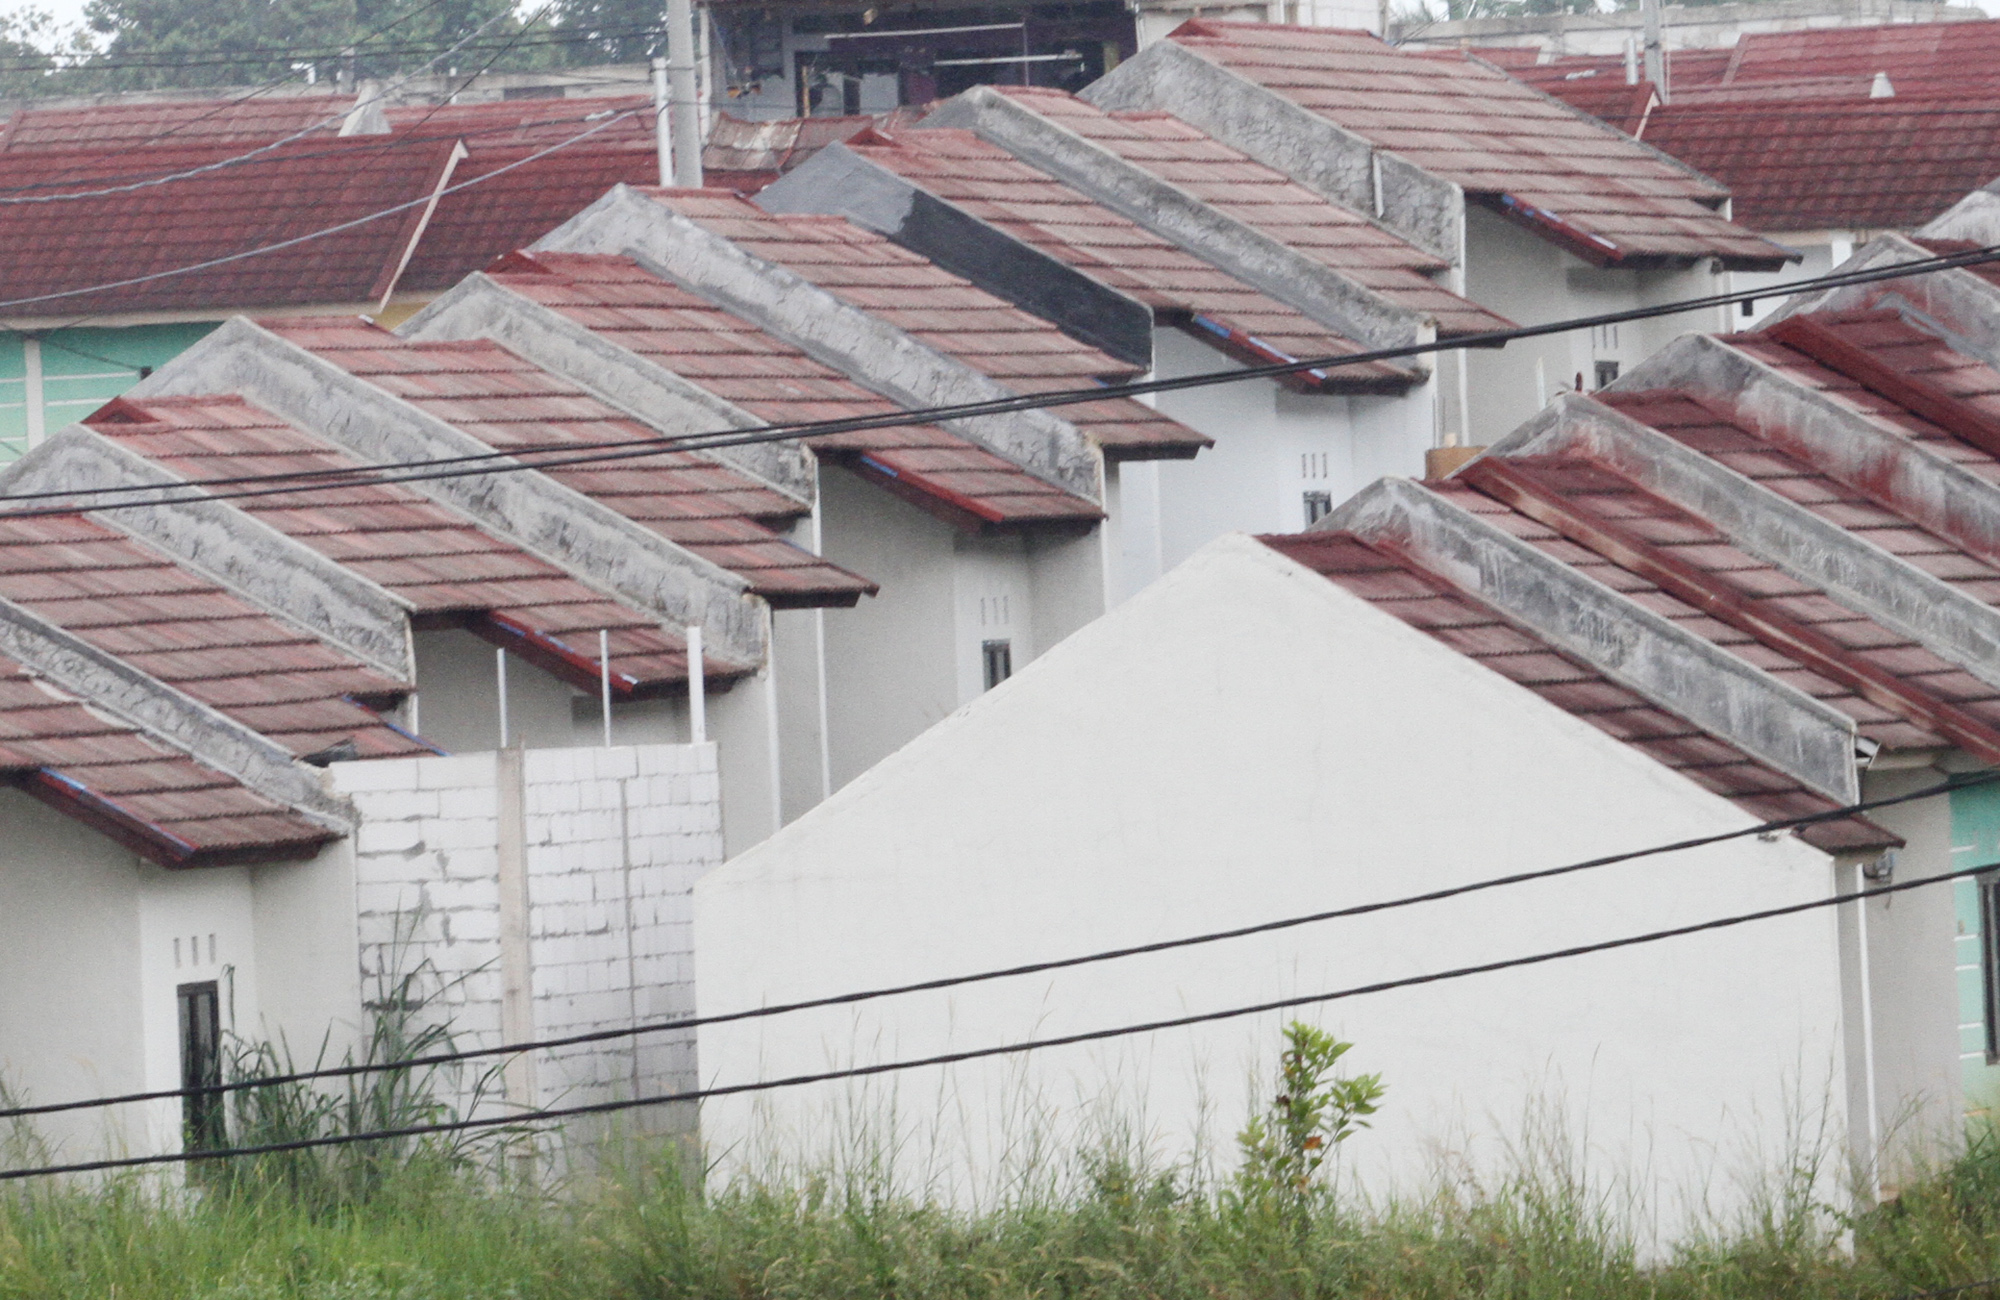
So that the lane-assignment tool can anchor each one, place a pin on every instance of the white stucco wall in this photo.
(1913, 983)
(71, 998)
(1240, 742)
(1532, 282)
(901, 660)
(1272, 446)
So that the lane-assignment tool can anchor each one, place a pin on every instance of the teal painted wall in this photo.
(82, 368)
(1975, 842)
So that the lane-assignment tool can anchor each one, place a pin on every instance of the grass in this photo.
(435, 1226)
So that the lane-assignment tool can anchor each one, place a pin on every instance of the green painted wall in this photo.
(82, 368)
(1975, 841)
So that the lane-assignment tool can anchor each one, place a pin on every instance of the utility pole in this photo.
(663, 131)
(685, 108)
(1656, 55)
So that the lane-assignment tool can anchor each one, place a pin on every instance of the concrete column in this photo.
(517, 974)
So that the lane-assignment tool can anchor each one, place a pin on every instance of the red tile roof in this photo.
(1269, 201)
(1564, 175)
(491, 394)
(155, 800)
(1961, 58)
(939, 470)
(177, 626)
(514, 208)
(534, 123)
(1596, 86)
(293, 191)
(449, 569)
(1021, 351)
(1042, 212)
(197, 122)
(1431, 603)
(1856, 163)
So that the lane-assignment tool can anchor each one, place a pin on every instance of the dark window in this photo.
(1748, 307)
(1607, 371)
(201, 1066)
(999, 660)
(1318, 506)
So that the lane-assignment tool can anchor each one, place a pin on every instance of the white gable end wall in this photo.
(1240, 742)
(1527, 279)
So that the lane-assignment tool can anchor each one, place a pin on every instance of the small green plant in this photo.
(1313, 1112)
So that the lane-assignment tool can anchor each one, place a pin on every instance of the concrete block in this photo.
(455, 772)
(387, 837)
(462, 832)
(478, 863)
(375, 774)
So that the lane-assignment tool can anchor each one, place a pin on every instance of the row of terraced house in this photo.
(610, 703)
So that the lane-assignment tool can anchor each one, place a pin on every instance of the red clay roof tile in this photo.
(1472, 124)
(490, 393)
(447, 567)
(731, 358)
(1021, 351)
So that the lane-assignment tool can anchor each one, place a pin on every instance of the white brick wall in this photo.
(615, 840)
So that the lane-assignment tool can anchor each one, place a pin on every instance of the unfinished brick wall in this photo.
(615, 839)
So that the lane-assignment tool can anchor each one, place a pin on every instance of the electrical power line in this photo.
(1962, 782)
(1007, 1049)
(584, 453)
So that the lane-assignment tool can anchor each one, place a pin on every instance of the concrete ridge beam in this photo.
(528, 508)
(1853, 571)
(871, 351)
(180, 722)
(478, 307)
(1839, 440)
(1326, 295)
(1958, 305)
(230, 546)
(1684, 674)
(1327, 159)
(838, 181)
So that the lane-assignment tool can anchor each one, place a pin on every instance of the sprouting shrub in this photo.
(1313, 1112)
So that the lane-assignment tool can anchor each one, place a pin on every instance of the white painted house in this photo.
(1543, 213)
(1756, 578)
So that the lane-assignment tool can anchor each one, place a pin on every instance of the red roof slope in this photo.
(154, 800)
(301, 188)
(448, 568)
(1590, 84)
(197, 122)
(175, 625)
(1431, 603)
(1928, 58)
(501, 210)
(1042, 212)
(620, 301)
(1021, 351)
(1267, 200)
(1859, 163)
(486, 391)
(1571, 178)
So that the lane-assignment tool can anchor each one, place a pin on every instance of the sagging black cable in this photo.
(1965, 781)
(547, 1114)
(585, 453)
